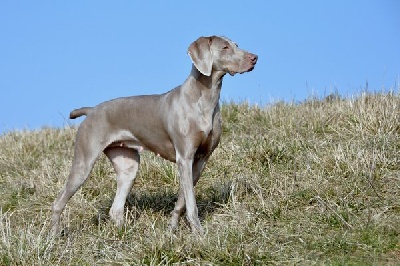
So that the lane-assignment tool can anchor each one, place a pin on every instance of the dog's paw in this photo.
(117, 216)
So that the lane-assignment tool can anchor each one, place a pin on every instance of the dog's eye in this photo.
(226, 47)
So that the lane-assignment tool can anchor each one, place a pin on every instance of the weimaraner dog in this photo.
(182, 126)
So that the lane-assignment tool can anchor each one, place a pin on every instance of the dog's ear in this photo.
(200, 53)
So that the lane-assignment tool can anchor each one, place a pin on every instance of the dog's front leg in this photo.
(186, 186)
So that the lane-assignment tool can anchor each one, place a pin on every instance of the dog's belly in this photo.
(163, 149)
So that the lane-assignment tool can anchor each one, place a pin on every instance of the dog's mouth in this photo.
(248, 69)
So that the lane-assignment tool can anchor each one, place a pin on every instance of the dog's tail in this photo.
(79, 112)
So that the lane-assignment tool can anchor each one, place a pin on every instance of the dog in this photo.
(182, 126)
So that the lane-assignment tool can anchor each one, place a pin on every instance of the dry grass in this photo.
(311, 183)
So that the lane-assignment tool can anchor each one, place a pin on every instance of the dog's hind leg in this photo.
(126, 164)
(87, 150)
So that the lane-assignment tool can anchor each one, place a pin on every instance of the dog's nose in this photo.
(253, 58)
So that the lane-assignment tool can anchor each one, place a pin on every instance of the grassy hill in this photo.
(316, 182)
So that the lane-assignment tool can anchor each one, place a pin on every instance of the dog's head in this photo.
(220, 54)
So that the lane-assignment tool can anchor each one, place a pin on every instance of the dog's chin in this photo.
(241, 71)
(247, 70)
(250, 68)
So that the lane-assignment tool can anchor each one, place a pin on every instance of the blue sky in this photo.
(59, 55)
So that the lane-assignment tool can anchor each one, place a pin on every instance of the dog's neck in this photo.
(209, 86)
(207, 81)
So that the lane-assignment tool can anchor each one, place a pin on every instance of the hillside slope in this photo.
(316, 182)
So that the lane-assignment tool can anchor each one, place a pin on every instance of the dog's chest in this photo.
(205, 117)
(206, 108)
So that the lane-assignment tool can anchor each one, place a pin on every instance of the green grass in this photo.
(311, 183)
